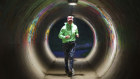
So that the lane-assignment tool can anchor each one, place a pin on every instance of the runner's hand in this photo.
(67, 36)
(77, 35)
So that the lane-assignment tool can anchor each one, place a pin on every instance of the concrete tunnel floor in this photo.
(57, 71)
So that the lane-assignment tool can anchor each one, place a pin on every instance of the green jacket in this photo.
(72, 31)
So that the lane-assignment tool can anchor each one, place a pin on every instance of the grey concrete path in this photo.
(78, 75)
(57, 71)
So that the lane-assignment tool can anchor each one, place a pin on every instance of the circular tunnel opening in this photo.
(84, 44)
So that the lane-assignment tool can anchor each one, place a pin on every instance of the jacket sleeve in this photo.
(76, 31)
(60, 35)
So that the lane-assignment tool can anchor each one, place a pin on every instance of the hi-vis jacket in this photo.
(72, 31)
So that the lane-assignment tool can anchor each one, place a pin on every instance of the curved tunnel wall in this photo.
(60, 12)
(24, 61)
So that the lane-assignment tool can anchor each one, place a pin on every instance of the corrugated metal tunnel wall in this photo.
(20, 59)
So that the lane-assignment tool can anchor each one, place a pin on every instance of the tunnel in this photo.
(26, 27)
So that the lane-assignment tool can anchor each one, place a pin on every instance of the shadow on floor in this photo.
(64, 74)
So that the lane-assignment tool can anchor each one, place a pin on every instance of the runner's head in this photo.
(70, 19)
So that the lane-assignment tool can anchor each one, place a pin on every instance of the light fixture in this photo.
(72, 2)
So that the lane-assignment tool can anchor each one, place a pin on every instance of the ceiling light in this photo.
(72, 2)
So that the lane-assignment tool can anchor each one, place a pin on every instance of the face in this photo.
(70, 22)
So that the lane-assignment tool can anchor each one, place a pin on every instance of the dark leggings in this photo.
(69, 50)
